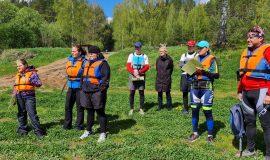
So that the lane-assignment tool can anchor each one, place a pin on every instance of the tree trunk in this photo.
(221, 41)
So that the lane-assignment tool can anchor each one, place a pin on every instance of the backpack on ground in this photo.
(237, 124)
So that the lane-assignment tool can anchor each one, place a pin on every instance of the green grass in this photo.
(156, 135)
(43, 57)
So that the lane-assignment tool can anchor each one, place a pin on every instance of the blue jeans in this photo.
(27, 104)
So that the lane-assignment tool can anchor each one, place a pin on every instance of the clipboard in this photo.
(191, 66)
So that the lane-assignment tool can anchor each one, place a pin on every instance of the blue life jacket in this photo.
(137, 61)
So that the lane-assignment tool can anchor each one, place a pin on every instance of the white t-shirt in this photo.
(187, 57)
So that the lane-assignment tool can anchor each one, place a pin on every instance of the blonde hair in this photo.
(22, 61)
(163, 45)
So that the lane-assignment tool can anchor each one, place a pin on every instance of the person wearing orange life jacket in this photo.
(95, 83)
(137, 65)
(202, 93)
(74, 68)
(185, 82)
(254, 88)
(24, 89)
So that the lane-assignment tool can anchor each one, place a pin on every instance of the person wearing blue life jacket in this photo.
(202, 93)
(95, 83)
(137, 65)
(74, 68)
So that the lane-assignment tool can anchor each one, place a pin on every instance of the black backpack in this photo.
(237, 124)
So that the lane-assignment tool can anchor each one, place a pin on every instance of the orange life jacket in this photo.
(22, 82)
(255, 65)
(73, 70)
(206, 63)
(92, 73)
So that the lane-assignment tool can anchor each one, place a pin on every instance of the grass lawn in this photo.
(156, 135)
(43, 56)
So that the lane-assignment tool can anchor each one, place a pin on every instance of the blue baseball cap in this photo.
(138, 45)
(202, 44)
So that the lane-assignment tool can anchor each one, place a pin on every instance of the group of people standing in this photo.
(199, 84)
(89, 76)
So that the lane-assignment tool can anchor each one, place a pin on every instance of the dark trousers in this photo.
(160, 100)
(185, 101)
(91, 118)
(27, 104)
(73, 95)
(131, 98)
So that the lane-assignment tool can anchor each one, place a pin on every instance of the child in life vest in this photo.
(24, 90)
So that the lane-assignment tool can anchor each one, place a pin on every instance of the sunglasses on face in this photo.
(252, 35)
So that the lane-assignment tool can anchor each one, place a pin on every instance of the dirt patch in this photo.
(52, 75)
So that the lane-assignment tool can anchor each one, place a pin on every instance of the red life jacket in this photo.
(22, 83)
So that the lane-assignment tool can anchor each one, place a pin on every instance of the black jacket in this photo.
(164, 67)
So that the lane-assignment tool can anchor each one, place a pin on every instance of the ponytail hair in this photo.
(80, 49)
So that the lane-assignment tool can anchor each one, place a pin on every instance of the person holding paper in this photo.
(185, 83)
(202, 94)
(164, 67)
(137, 65)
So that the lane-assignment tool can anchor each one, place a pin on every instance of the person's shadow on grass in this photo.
(217, 126)
(148, 105)
(116, 126)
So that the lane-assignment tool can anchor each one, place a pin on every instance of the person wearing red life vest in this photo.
(254, 88)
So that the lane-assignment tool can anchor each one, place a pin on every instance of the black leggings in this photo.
(131, 98)
(185, 100)
(252, 105)
(91, 118)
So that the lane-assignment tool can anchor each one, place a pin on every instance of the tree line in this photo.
(53, 23)
(58, 23)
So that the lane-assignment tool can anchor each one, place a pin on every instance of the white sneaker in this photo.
(141, 112)
(85, 134)
(131, 112)
(102, 137)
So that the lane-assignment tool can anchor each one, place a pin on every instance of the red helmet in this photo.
(191, 43)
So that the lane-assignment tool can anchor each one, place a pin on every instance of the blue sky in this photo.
(108, 5)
